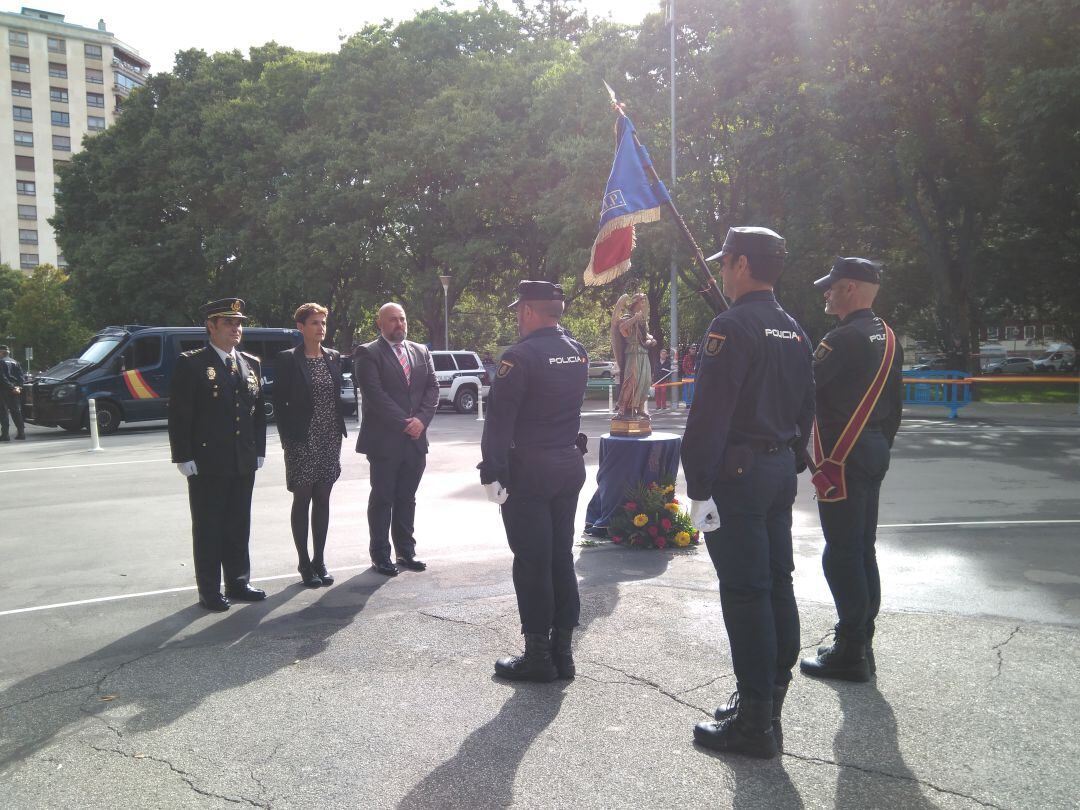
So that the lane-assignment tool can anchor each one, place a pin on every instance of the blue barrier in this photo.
(924, 389)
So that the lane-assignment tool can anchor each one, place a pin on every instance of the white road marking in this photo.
(978, 523)
(80, 466)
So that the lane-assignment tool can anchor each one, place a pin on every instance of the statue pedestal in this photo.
(624, 462)
(635, 426)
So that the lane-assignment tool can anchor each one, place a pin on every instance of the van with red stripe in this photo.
(128, 371)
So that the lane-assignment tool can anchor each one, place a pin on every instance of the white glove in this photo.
(704, 515)
(259, 462)
(496, 493)
(187, 468)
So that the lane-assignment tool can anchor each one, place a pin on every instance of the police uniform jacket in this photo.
(216, 421)
(754, 389)
(388, 400)
(535, 403)
(11, 374)
(293, 405)
(845, 363)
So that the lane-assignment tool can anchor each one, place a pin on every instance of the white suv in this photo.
(461, 378)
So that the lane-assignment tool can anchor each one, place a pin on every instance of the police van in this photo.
(128, 370)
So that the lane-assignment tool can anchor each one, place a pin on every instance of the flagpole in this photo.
(711, 291)
(674, 288)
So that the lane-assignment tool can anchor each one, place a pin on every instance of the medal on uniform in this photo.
(253, 384)
(211, 373)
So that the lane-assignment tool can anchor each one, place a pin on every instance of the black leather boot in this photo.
(534, 665)
(561, 653)
(778, 695)
(843, 661)
(870, 663)
(748, 732)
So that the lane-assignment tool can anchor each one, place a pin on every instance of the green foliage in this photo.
(11, 283)
(943, 138)
(43, 316)
(652, 518)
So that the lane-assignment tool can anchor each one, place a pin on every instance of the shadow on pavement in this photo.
(868, 730)
(604, 569)
(482, 772)
(238, 649)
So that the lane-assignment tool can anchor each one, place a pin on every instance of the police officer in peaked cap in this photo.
(747, 427)
(532, 465)
(217, 434)
(846, 364)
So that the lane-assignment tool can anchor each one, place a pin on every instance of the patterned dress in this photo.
(318, 460)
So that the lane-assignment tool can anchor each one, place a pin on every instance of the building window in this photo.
(20, 38)
(1012, 332)
(24, 138)
(24, 163)
(57, 45)
(1048, 332)
(61, 262)
(92, 51)
(26, 187)
(95, 100)
(27, 212)
(28, 261)
(57, 70)
(27, 236)
(991, 333)
(94, 76)
(22, 113)
(61, 119)
(1029, 333)
(95, 123)
(58, 94)
(20, 89)
(20, 64)
(127, 82)
(61, 143)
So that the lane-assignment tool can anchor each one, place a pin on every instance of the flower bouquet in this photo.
(652, 518)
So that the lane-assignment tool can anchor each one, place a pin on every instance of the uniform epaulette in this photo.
(249, 356)
(191, 352)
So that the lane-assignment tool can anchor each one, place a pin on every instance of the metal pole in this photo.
(95, 440)
(673, 289)
(610, 397)
(480, 406)
(446, 311)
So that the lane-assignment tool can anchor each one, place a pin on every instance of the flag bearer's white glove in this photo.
(187, 468)
(496, 493)
(704, 516)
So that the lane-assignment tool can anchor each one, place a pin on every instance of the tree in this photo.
(43, 316)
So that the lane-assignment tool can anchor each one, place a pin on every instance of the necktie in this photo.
(230, 365)
(404, 360)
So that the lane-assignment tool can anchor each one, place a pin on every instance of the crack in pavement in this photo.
(185, 777)
(999, 649)
(814, 645)
(49, 693)
(709, 682)
(637, 680)
(887, 775)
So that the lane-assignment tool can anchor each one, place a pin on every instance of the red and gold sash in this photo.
(829, 480)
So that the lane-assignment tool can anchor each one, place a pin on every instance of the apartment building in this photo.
(60, 83)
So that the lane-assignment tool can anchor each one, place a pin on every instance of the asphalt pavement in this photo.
(116, 690)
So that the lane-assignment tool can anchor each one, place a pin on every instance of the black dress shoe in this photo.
(245, 593)
(20, 435)
(386, 568)
(5, 438)
(322, 573)
(412, 563)
(308, 575)
(214, 601)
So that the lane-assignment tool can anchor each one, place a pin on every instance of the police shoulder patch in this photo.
(822, 351)
(714, 342)
(505, 367)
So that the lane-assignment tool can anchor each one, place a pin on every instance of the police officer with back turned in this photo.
(857, 370)
(532, 465)
(748, 424)
(217, 432)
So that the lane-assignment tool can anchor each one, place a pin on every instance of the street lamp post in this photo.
(446, 310)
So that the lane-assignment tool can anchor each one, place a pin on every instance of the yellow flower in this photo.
(672, 507)
(682, 539)
(670, 488)
(641, 520)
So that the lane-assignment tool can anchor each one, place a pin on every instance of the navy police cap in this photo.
(854, 268)
(538, 291)
(750, 240)
(225, 308)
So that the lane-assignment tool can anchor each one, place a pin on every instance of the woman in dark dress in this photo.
(311, 424)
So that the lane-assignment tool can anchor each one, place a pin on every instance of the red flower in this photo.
(630, 505)
(616, 539)
(666, 524)
(653, 531)
(661, 542)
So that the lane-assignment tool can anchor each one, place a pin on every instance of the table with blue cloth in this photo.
(626, 462)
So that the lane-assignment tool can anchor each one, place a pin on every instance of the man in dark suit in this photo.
(217, 432)
(399, 395)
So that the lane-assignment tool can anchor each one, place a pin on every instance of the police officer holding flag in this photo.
(532, 465)
(749, 422)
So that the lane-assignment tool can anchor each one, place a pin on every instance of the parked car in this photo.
(128, 371)
(936, 364)
(348, 392)
(1012, 365)
(1056, 361)
(461, 377)
(602, 369)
